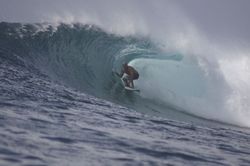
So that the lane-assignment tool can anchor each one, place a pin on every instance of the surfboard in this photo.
(131, 89)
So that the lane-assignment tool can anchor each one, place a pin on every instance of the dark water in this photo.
(60, 105)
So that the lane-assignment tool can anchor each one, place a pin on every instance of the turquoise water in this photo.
(61, 105)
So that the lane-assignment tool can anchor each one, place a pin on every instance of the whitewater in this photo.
(61, 103)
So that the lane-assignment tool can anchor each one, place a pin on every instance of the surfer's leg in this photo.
(130, 82)
(125, 78)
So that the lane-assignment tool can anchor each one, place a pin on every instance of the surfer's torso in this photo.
(130, 71)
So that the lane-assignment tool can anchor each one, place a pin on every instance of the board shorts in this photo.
(128, 77)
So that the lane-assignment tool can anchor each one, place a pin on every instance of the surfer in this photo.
(128, 74)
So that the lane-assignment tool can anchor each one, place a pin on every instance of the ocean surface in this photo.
(61, 104)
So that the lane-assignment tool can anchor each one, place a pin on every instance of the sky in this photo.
(224, 18)
(220, 17)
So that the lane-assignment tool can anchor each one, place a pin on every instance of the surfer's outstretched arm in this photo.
(121, 73)
(117, 74)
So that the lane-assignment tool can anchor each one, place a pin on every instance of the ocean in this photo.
(61, 104)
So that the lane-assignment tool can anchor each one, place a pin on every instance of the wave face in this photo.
(83, 57)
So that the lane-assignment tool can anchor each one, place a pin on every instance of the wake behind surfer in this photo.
(128, 74)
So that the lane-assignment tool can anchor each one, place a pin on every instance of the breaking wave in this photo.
(173, 82)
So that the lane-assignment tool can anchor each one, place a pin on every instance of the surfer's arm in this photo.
(121, 73)
(118, 74)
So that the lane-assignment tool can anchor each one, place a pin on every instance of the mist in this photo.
(225, 19)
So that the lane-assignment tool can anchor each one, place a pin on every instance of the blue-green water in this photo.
(61, 105)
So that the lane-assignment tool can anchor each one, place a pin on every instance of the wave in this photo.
(172, 82)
